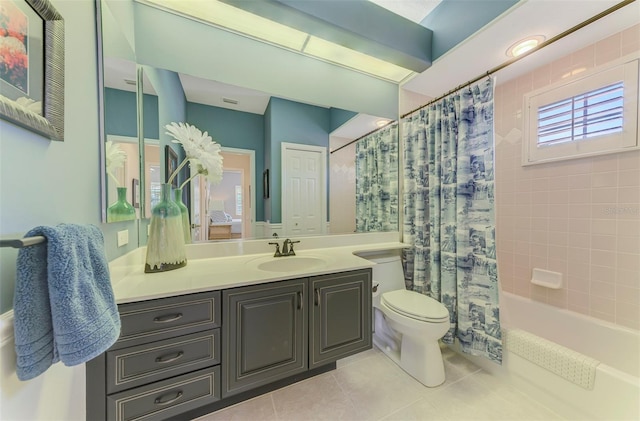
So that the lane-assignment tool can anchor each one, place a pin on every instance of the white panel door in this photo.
(304, 197)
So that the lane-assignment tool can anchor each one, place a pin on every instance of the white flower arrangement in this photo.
(115, 158)
(202, 153)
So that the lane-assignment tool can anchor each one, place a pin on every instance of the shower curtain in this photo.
(377, 181)
(449, 214)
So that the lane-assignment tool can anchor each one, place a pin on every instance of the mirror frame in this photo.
(102, 135)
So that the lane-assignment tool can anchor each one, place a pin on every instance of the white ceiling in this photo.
(476, 55)
(209, 92)
(487, 48)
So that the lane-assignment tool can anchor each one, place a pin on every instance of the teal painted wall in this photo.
(292, 122)
(46, 183)
(172, 107)
(150, 120)
(339, 117)
(120, 109)
(455, 20)
(234, 129)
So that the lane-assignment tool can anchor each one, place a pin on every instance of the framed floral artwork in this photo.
(32, 66)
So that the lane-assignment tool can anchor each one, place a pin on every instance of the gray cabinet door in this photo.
(340, 320)
(264, 334)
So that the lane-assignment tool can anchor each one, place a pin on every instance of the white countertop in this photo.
(201, 273)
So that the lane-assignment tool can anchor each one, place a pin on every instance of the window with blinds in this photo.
(593, 113)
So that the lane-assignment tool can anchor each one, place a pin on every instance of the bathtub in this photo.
(577, 343)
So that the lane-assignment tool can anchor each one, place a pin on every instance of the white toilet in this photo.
(407, 324)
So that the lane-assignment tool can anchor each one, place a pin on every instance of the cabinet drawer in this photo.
(167, 398)
(142, 364)
(159, 319)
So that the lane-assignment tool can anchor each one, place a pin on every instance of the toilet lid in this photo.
(415, 305)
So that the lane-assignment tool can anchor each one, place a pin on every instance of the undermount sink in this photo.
(290, 263)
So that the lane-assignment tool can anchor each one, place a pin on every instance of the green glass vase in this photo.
(186, 226)
(165, 246)
(121, 210)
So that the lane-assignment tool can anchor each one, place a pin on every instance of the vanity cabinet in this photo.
(265, 334)
(182, 357)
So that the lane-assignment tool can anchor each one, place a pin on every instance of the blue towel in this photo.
(64, 307)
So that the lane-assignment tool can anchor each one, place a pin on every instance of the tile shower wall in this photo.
(580, 217)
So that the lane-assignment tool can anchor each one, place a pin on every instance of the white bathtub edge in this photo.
(618, 400)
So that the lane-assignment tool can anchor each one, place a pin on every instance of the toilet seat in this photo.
(415, 306)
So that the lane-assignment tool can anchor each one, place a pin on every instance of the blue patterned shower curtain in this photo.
(377, 181)
(449, 214)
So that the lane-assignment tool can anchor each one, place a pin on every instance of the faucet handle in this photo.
(277, 254)
(291, 243)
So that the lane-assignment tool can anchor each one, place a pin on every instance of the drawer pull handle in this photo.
(317, 297)
(167, 359)
(300, 300)
(159, 400)
(168, 318)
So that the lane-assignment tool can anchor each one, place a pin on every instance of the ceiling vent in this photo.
(230, 101)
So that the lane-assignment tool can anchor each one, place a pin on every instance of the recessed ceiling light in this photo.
(524, 45)
(382, 123)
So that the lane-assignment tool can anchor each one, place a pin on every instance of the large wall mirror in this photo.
(269, 109)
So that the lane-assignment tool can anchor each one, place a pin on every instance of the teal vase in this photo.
(186, 226)
(165, 246)
(121, 210)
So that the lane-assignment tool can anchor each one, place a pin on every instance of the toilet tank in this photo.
(387, 273)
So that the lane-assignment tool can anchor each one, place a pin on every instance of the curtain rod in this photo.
(365, 135)
(533, 50)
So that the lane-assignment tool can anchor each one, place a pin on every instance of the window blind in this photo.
(591, 114)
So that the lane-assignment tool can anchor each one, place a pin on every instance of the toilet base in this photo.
(422, 360)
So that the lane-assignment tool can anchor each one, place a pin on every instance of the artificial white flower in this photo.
(201, 151)
(115, 158)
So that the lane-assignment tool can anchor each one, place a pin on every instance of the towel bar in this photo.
(18, 243)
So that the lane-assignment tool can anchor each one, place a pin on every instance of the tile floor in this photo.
(369, 386)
